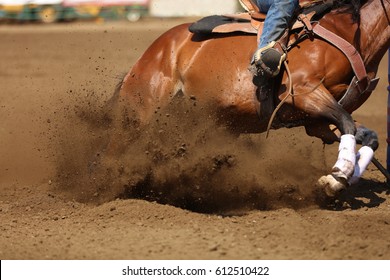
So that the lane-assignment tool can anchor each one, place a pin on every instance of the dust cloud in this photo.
(183, 158)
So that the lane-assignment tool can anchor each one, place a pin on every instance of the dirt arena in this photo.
(221, 198)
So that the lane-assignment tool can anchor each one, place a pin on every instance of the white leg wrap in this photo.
(363, 157)
(347, 156)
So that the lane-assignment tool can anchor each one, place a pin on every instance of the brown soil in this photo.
(192, 192)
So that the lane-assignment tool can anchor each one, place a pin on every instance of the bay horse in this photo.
(214, 70)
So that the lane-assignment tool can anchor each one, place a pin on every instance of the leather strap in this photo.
(306, 20)
(350, 52)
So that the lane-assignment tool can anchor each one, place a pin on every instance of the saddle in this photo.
(305, 26)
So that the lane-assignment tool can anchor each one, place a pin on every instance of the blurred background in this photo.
(51, 11)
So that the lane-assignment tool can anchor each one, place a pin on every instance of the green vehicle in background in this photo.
(50, 11)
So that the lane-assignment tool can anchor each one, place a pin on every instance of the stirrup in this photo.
(269, 59)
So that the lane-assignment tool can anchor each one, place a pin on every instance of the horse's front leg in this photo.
(319, 103)
(367, 138)
(369, 141)
(337, 181)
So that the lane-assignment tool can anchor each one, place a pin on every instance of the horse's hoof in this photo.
(332, 185)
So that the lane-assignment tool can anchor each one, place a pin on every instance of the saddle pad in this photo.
(208, 24)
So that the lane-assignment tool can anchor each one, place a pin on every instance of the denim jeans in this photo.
(279, 14)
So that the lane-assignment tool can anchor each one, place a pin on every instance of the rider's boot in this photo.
(265, 66)
(268, 60)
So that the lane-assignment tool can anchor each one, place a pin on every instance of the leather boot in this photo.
(269, 59)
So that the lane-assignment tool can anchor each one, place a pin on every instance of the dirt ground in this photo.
(257, 201)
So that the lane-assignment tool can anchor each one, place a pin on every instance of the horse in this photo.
(213, 69)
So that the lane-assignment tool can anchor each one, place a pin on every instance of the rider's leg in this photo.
(270, 55)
